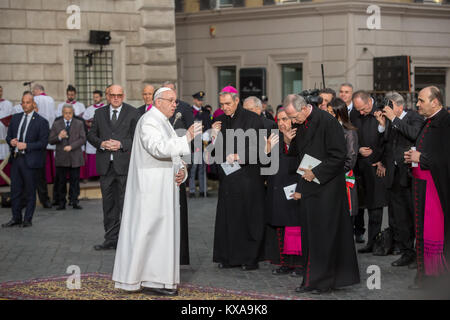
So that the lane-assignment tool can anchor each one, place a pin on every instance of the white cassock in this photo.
(17, 109)
(46, 109)
(6, 109)
(148, 249)
(78, 107)
(89, 115)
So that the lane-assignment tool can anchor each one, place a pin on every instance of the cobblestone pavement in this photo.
(60, 239)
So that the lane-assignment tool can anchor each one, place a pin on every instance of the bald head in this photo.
(147, 94)
(429, 101)
(116, 95)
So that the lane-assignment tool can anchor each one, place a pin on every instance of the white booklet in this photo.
(230, 168)
(289, 191)
(310, 163)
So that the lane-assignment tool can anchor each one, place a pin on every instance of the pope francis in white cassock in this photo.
(149, 239)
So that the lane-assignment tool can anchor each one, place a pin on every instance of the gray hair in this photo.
(256, 102)
(297, 101)
(68, 106)
(168, 83)
(346, 84)
(38, 86)
(232, 94)
(396, 97)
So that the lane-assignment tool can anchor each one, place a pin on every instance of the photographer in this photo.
(400, 128)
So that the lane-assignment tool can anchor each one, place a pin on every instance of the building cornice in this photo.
(308, 9)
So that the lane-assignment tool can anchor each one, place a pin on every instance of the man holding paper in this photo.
(327, 232)
(239, 228)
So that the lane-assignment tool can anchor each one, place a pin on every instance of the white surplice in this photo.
(46, 109)
(6, 109)
(148, 249)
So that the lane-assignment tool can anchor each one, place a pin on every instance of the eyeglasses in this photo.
(116, 95)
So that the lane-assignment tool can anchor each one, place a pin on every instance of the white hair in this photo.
(256, 101)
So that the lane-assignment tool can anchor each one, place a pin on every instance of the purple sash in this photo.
(292, 241)
(433, 227)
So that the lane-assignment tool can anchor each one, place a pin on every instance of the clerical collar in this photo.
(431, 117)
(196, 108)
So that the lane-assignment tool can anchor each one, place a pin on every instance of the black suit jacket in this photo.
(400, 136)
(123, 131)
(187, 117)
(36, 139)
(141, 110)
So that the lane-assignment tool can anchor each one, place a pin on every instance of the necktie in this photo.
(114, 118)
(67, 127)
(22, 129)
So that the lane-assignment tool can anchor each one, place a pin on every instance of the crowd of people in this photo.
(335, 159)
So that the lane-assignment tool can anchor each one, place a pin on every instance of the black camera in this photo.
(386, 102)
(312, 97)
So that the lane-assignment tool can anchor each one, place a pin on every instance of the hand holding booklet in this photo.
(289, 191)
(230, 168)
(308, 162)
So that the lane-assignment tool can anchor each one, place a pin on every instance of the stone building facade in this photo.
(291, 39)
(36, 44)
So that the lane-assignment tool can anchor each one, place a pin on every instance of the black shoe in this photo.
(12, 223)
(303, 289)
(191, 195)
(298, 272)
(249, 267)
(359, 238)
(403, 261)
(77, 206)
(396, 251)
(162, 292)
(366, 249)
(413, 265)
(26, 224)
(281, 270)
(61, 207)
(105, 246)
(47, 205)
(55, 203)
(70, 203)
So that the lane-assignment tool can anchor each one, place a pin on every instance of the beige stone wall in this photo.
(327, 32)
(35, 43)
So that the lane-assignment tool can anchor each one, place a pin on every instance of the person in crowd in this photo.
(112, 134)
(338, 109)
(68, 135)
(88, 116)
(401, 128)
(149, 241)
(28, 137)
(283, 233)
(327, 95)
(431, 192)
(327, 238)
(147, 96)
(239, 226)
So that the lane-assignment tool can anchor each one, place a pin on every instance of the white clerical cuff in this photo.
(381, 129)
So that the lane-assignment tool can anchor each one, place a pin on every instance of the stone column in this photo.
(157, 34)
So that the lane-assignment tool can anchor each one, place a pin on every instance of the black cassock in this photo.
(433, 143)
(239, 228)
(327, 232)
(281, 212)
(183, 122)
